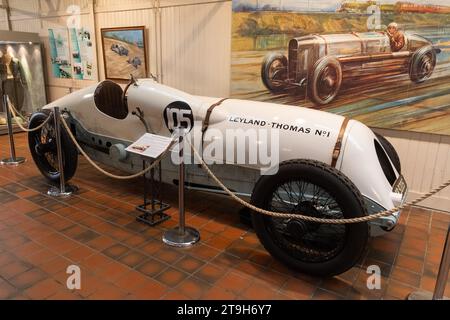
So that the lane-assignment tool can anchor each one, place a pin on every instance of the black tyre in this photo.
(314, 189)
(42, 145)
(325, 80)
(274, 72)
(391, 152)
(422, 64)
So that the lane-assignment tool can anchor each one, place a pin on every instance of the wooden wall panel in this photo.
(426, 163)
(120, 5)
(3, 20)
(196, 48)
(24, 9)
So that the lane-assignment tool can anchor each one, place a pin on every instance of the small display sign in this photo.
(150, 145)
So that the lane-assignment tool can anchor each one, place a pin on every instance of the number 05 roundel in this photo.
(178, 115)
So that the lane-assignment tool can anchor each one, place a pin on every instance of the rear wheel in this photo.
(317, 190)
(422, 65)
(274, 72)
(42, 146)
(325, 80)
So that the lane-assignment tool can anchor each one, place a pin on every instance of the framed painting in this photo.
(124, 52)
(385, 63)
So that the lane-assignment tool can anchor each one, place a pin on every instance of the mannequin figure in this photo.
(11, 74)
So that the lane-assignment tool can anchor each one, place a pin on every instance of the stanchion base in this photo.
(12, 162)
(422, 296)
(175, 239)
(56, 191)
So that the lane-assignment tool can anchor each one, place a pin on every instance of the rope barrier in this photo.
(247, 204)
(17, 112)
(13, 111)
(309, 218)
(141, 173)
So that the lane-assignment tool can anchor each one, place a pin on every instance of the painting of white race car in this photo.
(329, 166)
(120, 50)
(135, 62)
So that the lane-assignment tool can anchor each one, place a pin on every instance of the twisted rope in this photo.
(15, 112)
(249, 205)
(308, 218)
(141, 173)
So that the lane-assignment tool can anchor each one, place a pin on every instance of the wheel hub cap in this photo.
(297, 228)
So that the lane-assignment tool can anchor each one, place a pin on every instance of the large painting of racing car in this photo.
(320, 63)
(385, 63)
(328, 166)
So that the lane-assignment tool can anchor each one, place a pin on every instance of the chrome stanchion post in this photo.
(181, 236)
(13, 160)
(181, 201)
(63, 190)
(442, 277)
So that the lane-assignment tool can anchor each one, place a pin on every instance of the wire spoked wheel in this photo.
(43, 148)
(306, 241)
(312, 189)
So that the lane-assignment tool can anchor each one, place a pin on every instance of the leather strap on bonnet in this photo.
(338, 146)
(208, 116)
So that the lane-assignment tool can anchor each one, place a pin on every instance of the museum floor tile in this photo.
(123, 259)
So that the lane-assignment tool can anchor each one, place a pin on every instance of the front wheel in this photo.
(325, 80)
(317, 190)
(274, 72)
(42, 146)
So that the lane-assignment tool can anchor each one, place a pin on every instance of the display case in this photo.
(21, 74)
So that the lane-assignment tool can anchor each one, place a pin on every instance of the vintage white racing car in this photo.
(329, 166)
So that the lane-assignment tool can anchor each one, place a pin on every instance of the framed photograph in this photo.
(124, 52)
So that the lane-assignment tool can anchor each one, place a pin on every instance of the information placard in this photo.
(150, 145)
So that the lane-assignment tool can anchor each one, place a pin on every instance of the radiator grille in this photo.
(293, 56)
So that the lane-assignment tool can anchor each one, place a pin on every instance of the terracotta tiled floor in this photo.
(122, 259)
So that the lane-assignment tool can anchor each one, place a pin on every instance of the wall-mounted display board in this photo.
(82, 54)
(60, 53)
(385, 63)
(124, 52)
(72, 53)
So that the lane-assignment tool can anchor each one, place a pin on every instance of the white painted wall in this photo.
(426, 164)
(189, 48)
